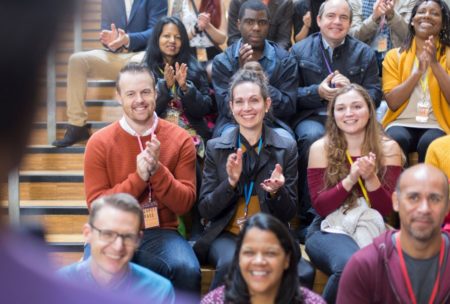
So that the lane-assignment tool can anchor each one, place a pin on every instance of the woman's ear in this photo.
(268, 104)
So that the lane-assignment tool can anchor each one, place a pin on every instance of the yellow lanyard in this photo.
(423, 82)
(363, 188)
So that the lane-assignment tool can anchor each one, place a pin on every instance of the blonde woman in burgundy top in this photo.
(352, 173)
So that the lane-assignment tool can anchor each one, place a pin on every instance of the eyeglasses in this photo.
(109, 236)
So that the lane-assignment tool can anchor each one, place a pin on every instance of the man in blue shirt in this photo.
(114, 233)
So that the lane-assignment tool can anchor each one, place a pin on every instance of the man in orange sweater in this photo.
(153, 160)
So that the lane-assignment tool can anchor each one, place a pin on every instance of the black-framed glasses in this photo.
(109, 236)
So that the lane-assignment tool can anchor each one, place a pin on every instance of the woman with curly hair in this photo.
(352, 173)
(416, 80)
(248, 169)
(264, 267)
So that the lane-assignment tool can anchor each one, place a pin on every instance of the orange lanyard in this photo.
(406, 276)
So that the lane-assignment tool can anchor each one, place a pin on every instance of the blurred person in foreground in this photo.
(264, 267)
(114, 233)
(26, 276)
(410, 265)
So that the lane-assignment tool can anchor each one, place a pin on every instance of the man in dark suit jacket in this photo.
(126, 27)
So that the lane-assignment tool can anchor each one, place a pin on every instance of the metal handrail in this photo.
(14, 197)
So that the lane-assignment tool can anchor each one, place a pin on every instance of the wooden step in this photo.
(45, 157)
(98, 110)
(57, 223)
(93, 92)
(67, 239)
(39, 132)
(49, 204)
(49, 185)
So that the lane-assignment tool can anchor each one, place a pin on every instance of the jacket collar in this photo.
(229, 139)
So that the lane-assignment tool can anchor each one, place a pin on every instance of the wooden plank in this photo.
(45, 161)
(58, 223)
(92, 93)
(48, 191)
(48, 203)
(64, 238)
(99, 112)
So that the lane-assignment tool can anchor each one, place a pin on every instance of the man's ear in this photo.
(118, 98)
(395, 201)
(87, 232)
(238, 23)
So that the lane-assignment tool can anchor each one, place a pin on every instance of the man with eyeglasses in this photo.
(253, 23)
(114, 233)
(327, 61)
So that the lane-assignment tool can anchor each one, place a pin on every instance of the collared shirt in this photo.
(267, 60)
(328, 48)
(137, 281)
(128, 6)
(124, 124)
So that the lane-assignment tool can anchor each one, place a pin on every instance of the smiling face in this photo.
(422, 203)
(137, 96)
(248, 106)
(351, 112)
(169, 42)
(254, 28)
(109, 260)
(335, 21)
(427, 20)
(262, 261)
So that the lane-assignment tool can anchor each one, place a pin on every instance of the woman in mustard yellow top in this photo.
(416, 80)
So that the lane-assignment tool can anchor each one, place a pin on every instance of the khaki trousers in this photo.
(95, 64)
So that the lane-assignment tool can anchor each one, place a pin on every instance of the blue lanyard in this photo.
(248, 190)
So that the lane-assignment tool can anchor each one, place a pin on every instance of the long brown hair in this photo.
(336, 145)
(213, 7)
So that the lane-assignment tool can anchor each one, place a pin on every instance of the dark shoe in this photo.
(73, 135)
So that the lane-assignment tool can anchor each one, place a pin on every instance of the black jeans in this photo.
(414, 139)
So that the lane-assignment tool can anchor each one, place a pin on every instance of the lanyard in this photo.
(423, 82)
(141, 147)
(249, 189)
(406, 276)
(363, 188)
(325, 58)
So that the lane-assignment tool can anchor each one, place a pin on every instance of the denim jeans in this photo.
(330, 253)
(307, 132)
(167, 253)
(414, 139)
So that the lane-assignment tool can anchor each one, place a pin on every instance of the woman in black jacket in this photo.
(249, 169)
(183, 92)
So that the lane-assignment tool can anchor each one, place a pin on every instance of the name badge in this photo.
(151, 217)
(201, 54)
(382, 44)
